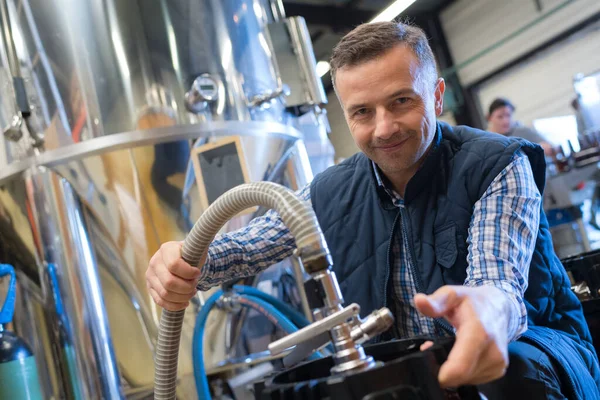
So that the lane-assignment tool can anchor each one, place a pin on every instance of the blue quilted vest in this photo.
(360, 222)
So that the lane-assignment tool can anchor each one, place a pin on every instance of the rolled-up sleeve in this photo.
(250, 250)
(502, 237)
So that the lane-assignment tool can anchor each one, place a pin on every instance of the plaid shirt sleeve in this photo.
(248, 251)
(502, 237)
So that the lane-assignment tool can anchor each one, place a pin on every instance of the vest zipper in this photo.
(389, 261)
(411, 266)
(378, 339)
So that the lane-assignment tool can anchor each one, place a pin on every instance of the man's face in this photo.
(391, 104)
(500, 121)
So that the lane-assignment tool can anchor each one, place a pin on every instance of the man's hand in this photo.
(170, 280)
(480, 316)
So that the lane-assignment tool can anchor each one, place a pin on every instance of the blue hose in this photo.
(197, 346)
(275, 316)
(258, 304)
(295, 316)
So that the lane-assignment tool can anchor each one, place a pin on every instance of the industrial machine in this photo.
(571, 185)
(349, 373)
(110, 112)
(564, 195)
(584, 273)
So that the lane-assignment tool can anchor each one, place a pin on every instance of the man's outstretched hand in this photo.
(480, 316)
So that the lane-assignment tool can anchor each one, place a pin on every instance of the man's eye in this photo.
(362, 111)
(402, 100)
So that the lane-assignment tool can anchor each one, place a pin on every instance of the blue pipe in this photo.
(275, 316)
(294, 315)
(262, 306)
(197, 347)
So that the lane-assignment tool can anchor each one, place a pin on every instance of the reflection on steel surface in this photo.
(94, 69)
(99, 219)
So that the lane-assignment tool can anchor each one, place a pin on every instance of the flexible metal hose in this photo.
(296, 214)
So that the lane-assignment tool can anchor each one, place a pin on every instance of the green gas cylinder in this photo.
(18, 370)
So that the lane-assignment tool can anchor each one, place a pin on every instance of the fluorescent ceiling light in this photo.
(393, 10)
(323, 68)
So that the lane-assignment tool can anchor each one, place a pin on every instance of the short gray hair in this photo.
(369, 41)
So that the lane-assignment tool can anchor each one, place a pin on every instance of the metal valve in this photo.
(263, 98)
(345, 330)
(13, 131)
(376, 323)
(314, 330)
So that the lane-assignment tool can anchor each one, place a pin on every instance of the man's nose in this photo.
(386, 125)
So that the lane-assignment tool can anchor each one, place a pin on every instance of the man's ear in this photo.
(440, 89)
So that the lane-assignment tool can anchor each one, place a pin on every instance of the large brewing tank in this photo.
(102, 104)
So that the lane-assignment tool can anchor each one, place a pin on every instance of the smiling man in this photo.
(442, 224)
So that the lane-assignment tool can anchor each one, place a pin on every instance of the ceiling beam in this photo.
(338, 18)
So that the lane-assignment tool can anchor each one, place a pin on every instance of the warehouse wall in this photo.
(472, 26)
(542, 87)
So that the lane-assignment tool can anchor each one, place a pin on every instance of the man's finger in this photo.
(174, 284)
(167, 305)
(171, 256)
(178, 267)
(170, 295)
(471, 342)
(426, 345)
(439, 303)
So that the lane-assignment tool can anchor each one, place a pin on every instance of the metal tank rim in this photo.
(138, 138)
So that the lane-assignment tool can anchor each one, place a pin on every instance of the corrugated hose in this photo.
(297, 215)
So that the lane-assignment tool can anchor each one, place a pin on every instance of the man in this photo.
(500, 120)
(398, 217)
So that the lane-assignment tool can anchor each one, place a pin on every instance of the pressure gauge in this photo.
(206, 87)
(204, 90)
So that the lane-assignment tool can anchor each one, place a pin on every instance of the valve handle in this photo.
(315, 329)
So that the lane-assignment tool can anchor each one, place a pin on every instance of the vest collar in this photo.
(385, 200)
(429, 169)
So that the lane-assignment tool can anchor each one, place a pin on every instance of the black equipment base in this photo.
(405, 373)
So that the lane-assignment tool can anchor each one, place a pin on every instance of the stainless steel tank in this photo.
(102, 103)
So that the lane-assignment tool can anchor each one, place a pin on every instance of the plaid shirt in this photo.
(502, 236)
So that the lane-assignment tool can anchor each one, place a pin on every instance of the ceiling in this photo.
(329, 20)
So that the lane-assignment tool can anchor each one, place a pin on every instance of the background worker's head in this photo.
(500, 116)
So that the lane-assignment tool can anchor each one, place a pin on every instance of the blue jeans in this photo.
(531, 375)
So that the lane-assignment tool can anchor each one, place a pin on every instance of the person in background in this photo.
(585, 122)
(576, 106)
(500, 120)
